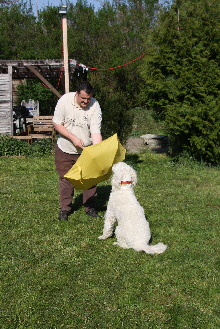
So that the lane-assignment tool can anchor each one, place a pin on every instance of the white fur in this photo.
(133, 230)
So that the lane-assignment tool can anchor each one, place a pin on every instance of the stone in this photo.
(153, 140)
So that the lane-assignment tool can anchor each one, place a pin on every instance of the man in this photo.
(77, 119)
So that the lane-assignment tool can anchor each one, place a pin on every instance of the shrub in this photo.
(195, 129)
(116, 107)
(10, 146)
(182, 78)
(33, 89)
(42, 147)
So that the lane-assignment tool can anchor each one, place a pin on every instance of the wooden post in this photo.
(65, 53)
(32, 69)
(10, 96)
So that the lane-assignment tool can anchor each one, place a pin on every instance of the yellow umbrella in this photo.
(95, 163)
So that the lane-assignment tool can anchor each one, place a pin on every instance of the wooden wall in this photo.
(6, 113)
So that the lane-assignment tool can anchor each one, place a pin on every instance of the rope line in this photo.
(112, 68)
(95, 68)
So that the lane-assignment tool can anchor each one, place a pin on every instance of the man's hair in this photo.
(84, 86)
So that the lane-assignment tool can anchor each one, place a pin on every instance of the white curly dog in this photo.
(133, 230)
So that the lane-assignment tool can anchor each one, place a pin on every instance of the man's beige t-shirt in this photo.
(81, 122)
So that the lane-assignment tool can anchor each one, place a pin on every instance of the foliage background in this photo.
(102, 39)
(182, 75)
(178, 78)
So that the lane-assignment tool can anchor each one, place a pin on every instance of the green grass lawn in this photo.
(144, 123)
(59, 275)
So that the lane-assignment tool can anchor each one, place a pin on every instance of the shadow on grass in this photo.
(103, 196)
(132, 159)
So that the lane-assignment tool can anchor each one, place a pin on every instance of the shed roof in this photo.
(47, 68)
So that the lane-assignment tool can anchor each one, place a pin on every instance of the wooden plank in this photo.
(6, 122)
(44, 80)
(10, 99)
(40, 125)
(22, 63)
(28, 138)
(40, 136)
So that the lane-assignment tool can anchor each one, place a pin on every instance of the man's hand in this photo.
(96, 138)
(77, 141)
(63, 131)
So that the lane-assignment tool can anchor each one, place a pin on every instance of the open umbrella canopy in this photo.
(95, 163)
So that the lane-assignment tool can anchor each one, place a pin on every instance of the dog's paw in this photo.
(102, 237)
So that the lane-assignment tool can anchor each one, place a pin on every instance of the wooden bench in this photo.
(28, 138)
(42, 127)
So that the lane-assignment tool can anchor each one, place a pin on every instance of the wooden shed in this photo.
(20, 70)
(6, 120)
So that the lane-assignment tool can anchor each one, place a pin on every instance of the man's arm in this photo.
(63, 131)
(96, 138)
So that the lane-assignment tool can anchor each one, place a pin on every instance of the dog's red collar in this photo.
(127, 182)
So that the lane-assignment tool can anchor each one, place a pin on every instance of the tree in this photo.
(34, 89)
(182, 76)
(24, 36)
(17, 31)
(112, 38)
(48, 35)
(8, 2)
(108, 38)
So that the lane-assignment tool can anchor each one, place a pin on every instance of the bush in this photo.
(116, 108)
(33, 89)
(43, 147)
(10, 146)
(182, 78)
(195, 129)
(117, 118)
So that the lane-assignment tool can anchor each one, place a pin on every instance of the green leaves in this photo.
(34, 89)
(182, 75)
(107, 38)
(10, 146)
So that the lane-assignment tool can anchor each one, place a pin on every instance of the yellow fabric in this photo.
(95, 163)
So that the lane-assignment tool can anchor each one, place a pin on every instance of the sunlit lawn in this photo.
(59, 275)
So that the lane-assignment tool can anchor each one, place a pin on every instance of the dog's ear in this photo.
(115, 182)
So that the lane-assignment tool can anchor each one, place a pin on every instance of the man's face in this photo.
(83, 98)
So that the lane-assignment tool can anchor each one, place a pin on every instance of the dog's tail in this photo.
(158, 248)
